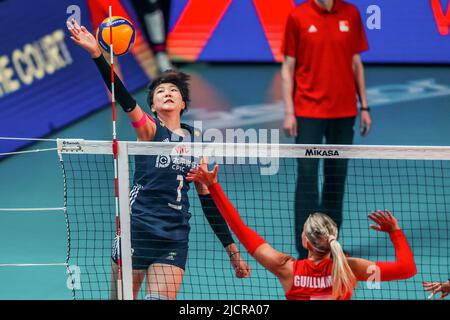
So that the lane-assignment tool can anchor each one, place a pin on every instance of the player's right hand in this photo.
(290, 125)
(436, 287)
(202, 174)
(82, 37)
(385, 221)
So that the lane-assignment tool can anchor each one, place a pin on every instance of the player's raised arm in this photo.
(403, 268)
(145, 129)
(220, 227)
(276, 262)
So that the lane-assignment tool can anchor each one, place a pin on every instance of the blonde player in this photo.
(318, 276)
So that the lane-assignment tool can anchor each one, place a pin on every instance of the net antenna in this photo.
(123, 290)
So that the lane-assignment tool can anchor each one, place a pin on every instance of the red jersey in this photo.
(312, 282)
(323, 44)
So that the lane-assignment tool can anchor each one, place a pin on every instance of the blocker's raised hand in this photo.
(385, 221)
(202, 174)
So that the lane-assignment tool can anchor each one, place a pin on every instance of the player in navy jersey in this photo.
(159, 201)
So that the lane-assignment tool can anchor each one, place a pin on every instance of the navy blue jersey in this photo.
(159, 197)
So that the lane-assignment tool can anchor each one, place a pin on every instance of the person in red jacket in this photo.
(326, 273)
(322, 75)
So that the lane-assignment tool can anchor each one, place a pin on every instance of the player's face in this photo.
(167, 98)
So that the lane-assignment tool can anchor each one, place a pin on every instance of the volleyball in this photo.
(123, 35)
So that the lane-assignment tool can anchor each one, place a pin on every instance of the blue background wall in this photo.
(408, 33)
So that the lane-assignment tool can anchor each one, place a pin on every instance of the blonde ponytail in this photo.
(321, 231)
(344, 281)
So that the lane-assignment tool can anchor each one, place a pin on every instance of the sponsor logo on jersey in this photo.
(182, 150)
(312, 29)
(177, 163)
(344, 26)
(162, 161)
(171, 256)
(134, 192)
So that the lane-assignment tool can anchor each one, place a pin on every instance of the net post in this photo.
(124, 214)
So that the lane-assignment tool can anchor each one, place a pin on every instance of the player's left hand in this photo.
(385, 221)
(241, 268)
(365, 123)
(202, 174)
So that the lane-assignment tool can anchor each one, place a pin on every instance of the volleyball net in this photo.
(260, 180)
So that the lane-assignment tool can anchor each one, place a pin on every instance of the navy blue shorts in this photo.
(147, 251)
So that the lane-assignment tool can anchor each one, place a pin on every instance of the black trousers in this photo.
(307, 196)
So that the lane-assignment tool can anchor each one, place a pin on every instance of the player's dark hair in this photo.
(178, 78)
